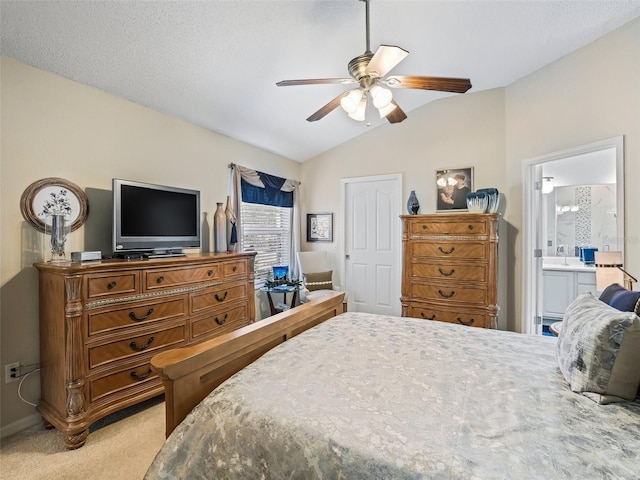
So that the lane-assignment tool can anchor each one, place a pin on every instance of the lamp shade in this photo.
(387, 110)
(359, 114)
(381, 97)
(607, 271)
(350, 102)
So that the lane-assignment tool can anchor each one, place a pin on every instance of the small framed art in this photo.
(319, 227)
(452, 187)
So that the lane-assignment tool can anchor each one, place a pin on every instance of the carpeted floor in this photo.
(121, 446)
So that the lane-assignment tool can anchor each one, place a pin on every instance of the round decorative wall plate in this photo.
(43, 196)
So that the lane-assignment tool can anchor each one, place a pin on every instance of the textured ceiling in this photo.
(216, 63)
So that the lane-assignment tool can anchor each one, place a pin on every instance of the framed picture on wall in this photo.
(452, 187)
(319, 227)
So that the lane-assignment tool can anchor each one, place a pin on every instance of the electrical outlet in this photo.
(7, 372)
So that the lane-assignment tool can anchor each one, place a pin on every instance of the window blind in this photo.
(266, 230)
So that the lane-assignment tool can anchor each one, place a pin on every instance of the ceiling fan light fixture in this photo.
(359, 114)
(387, 110)
(380, 96)
(351, 101)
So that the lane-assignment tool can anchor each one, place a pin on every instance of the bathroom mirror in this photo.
(579, 204)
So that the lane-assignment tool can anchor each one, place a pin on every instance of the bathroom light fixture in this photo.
(547, 184)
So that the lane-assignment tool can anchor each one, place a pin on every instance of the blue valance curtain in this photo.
(270, 194)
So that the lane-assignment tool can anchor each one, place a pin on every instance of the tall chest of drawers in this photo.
(101, 322)
(450, 268)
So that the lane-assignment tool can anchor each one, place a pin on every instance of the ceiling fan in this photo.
(368, 71)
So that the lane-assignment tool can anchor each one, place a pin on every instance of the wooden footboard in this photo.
(189, 374)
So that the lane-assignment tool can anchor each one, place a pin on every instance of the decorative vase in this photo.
(413, 205)
(230, 220)
(206, 234)
(219, 230)
(58, 228)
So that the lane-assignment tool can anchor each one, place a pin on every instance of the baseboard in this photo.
(20, 425)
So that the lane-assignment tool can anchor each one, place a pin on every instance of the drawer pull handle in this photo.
(135, 376)
(160, 279)
(470, 227)
(448, 251)
(144, 317)
(140, 348)
(447, 295)
(446, 274)
(112, 285)
(210, 272)
(221, 322)
(234, 268)
(432, 317)
(223, 297)
(467, 323)
(424, 227)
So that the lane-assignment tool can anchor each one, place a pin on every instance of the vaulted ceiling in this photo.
(216, 63)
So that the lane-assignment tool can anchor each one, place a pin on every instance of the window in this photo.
(266, 230)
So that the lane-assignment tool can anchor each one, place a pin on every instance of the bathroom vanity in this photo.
(563, 280)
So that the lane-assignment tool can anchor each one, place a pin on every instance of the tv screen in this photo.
(154, 218)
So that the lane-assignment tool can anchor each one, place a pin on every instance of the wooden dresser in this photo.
(450, 268)
(101, 322)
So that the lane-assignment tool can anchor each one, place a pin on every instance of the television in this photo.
(154, 220)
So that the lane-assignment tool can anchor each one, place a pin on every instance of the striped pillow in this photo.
(318, 281)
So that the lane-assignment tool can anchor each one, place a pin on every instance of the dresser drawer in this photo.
(444, 249)
(100, 321)
(178, 277)
(138, 376)
(217, 296)
(101, 286)
(234, 269)
(450, 271)
(472, 318)
(137, 345)
(453, 294)
(431, 227)
(219, 322)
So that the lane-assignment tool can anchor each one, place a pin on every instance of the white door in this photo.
(373, 267)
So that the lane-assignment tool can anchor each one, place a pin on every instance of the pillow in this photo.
(598, 350)
(318, 281)
(626, 301)
(610, 291)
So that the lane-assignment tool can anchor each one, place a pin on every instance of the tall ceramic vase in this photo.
(220, 230)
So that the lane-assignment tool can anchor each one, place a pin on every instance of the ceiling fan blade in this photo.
(385, 58)
(328, 108)
(396, 115)
(443, 84)
(315, 81)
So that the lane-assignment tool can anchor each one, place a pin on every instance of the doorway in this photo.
(371, 209)
(540, 244)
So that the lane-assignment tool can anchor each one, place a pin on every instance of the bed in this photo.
(358, 395)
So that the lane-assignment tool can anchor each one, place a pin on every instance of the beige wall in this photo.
(52, 127)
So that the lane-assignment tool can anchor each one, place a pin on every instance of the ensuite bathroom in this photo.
(579, 218)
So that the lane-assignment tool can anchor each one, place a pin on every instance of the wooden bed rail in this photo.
(189, 374)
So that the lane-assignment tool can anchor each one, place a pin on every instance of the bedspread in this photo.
(364, 396)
